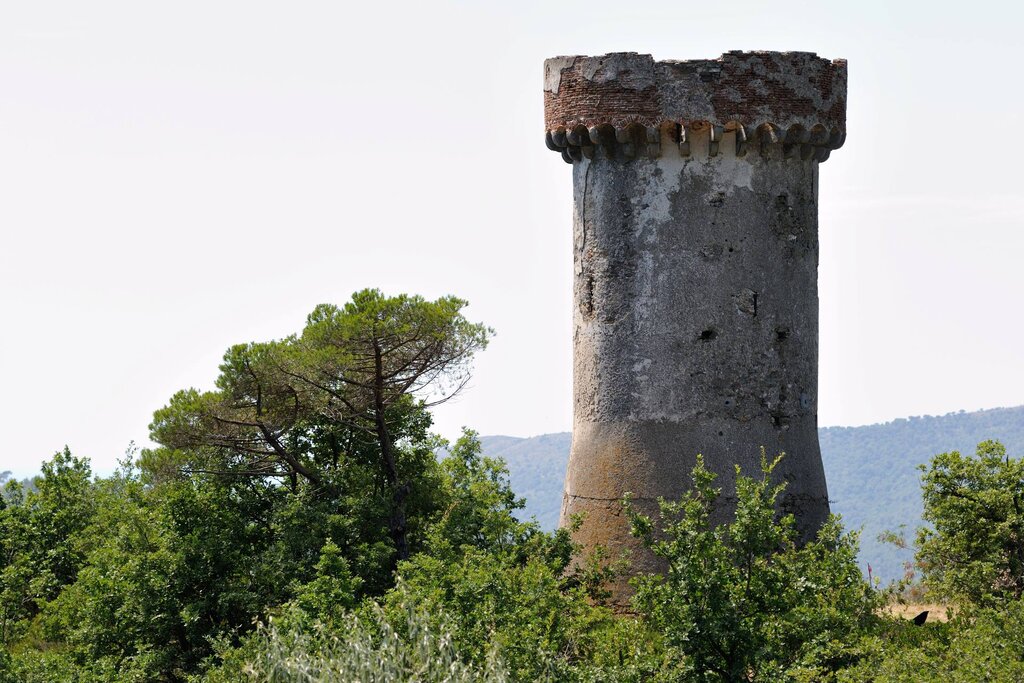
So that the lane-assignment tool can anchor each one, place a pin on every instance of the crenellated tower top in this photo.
(626, 104)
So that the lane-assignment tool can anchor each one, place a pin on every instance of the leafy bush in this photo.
(978, 645)
(170, 579)
(365, 648)
(743, 601)
(41, 550)
(974, 551)
(498, 582)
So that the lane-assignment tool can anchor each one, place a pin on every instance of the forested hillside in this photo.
(873, 480)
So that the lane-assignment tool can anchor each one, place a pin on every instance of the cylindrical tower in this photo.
(695, 188)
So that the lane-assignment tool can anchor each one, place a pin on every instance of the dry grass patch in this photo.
(936, 611)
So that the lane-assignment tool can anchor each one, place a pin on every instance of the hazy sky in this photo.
(179, 177)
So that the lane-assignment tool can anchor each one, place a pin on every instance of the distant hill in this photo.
(872, 470)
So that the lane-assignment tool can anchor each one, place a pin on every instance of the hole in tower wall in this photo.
(781, 334)
(712, 251)
(708, 335)
(746, 301)
(709, 73)
(587, 297)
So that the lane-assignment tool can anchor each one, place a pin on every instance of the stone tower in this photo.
(695, 223)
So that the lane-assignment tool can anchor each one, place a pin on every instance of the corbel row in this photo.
(637, 140)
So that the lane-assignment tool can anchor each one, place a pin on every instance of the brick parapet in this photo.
(627, 104)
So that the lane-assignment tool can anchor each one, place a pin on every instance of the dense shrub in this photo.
(974, 549)
(744, 601)
(984, 644)
(365, 648)
(193, 577)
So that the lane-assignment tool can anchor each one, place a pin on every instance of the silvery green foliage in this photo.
(369, 653)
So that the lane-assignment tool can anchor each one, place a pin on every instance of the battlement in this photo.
(626, 104)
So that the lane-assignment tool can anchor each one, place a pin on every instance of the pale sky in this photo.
(179, 177)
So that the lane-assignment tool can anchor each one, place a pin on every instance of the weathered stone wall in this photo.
(696, 253)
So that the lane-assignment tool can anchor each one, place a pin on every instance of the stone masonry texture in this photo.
(696, 254)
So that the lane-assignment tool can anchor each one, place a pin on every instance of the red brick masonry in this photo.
(787, 90)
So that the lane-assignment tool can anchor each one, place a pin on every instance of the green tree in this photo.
(974, 551)
(743, 601)
(269, 490)
(493, 581)
(167, 569)
(257, 423)
(334, 589)
(359, 376)
(370, 356)
(478, 504)
(40, 548)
